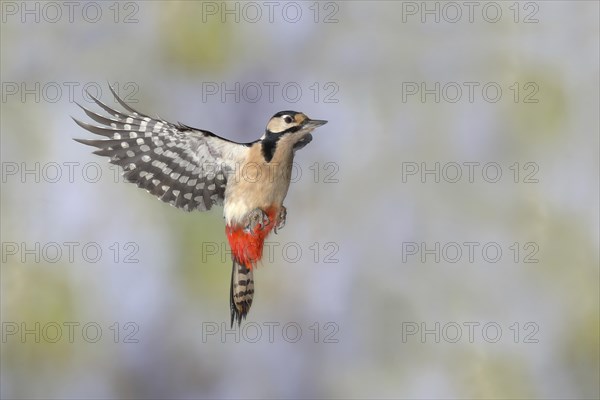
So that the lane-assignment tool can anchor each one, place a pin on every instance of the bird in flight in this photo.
(194, 169)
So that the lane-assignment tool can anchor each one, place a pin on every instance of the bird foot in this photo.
(281, 217)
(257, 220)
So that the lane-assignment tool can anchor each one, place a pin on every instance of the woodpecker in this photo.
(194, 169)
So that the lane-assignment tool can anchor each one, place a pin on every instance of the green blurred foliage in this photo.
(538, 109)
(201, 272)
(191, 43)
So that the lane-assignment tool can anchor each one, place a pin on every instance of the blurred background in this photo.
(442, 234)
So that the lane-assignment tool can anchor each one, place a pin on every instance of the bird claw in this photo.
(257, 219)
(281, 217)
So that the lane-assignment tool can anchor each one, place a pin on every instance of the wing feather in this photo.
(183, 166)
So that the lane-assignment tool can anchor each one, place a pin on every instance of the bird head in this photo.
(294, 126)
(291, 122)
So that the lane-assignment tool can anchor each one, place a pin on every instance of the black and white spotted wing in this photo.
(181, 165)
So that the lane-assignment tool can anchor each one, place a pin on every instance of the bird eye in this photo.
(287, 119)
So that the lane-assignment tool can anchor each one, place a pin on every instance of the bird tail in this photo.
(242, 291)
(246, 250)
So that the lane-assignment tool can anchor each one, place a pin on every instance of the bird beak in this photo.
(314, 123)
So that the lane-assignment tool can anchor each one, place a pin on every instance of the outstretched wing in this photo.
(181, 165)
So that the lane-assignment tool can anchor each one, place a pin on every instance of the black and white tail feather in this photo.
(183, 166)
(241, 292)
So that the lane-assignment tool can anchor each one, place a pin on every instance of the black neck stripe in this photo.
(269, 144)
